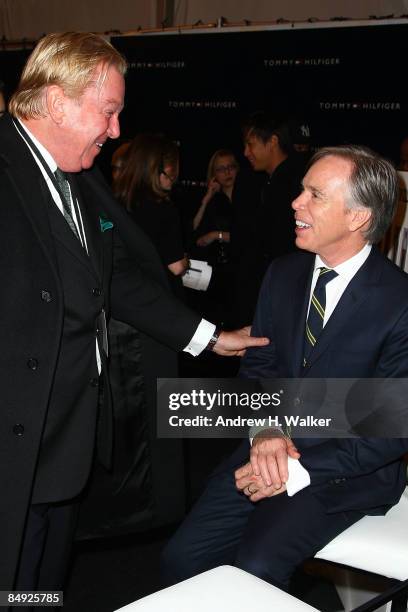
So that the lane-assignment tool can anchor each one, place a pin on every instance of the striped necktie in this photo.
(315, 319)
(66, 199)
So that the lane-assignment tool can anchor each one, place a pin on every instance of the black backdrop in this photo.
(348, 83)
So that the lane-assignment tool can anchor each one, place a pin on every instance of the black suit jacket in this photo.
(365, 337)
(32, 313)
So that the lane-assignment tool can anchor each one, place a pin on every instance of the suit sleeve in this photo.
(261, 362)
(142, 302)
(348, 458)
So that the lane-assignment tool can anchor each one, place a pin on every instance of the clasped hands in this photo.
(266, 473)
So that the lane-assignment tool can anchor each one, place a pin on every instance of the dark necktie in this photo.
(66, 199)
(315, 319)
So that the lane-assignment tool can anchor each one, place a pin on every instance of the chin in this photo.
(86, 164)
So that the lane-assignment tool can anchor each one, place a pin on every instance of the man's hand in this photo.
(269, 459)
(234, 343)
(253, 486)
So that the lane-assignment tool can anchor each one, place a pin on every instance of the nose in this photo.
(246, 151)
(299, 202)
(114, 127)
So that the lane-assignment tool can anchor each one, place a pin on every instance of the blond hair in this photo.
(213, 161)
(70, 60)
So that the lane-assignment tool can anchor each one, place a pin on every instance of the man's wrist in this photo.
(214, 339)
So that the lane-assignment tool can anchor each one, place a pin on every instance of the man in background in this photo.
(263, 228)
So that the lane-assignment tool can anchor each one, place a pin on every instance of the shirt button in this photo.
(18, 429)
(46, 296)
(96, 291)
(296, 401)
(32, 364)
(94, 382)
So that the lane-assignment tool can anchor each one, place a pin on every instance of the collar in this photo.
(46, 155)
(348, 268)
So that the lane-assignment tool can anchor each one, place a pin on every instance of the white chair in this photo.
(223, 589)
(376, 544)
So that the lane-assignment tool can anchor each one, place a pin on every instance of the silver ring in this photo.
(251, 492)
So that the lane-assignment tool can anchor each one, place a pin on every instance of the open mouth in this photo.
(302, 224)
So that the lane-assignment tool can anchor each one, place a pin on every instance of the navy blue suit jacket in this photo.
(365, 337)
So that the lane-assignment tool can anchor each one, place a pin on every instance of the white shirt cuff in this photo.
(298, 477)
(201, 338)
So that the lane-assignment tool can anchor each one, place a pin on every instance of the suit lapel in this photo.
(92, 229)
(299, 317)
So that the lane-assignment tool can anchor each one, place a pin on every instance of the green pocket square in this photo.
(105, 224)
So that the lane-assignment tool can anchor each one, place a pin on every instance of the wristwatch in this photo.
(214, 339)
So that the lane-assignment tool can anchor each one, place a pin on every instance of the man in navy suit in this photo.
(273, 504)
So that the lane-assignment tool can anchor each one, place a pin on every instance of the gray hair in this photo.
(373, 184)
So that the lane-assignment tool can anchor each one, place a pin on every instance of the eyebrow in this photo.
(115, 102)
(314, 190)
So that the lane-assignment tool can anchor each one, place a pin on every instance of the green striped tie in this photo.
(66, 199)
(315, 319)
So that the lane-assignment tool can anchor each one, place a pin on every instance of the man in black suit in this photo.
(69, 255)
(286, 502)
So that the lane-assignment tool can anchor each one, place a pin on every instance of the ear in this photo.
(273, 142)
(55, 102)
(359, 218)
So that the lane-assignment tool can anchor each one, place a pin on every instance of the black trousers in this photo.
(47, 546)
(268, 539)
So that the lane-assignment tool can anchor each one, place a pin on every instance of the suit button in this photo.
(94, 382)
(96, 291)
(32, 364)
(18, 429)
(46, 296)
(297, 401)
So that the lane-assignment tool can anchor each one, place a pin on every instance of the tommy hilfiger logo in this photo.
(203, 104)
(192, 183)
(158, 65)
(360, 106)
(298, 62)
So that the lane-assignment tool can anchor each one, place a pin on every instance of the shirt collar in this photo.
(348, 268)
(46, 155)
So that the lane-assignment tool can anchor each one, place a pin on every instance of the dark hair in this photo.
(145, 160)
(265, 125)
(3, 93)
(373, 184)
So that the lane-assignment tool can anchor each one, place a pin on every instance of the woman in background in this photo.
(212, 225)
(144, 186)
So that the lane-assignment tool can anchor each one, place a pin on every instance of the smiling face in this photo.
(257, 152)
(87, 123)
(324, 224)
